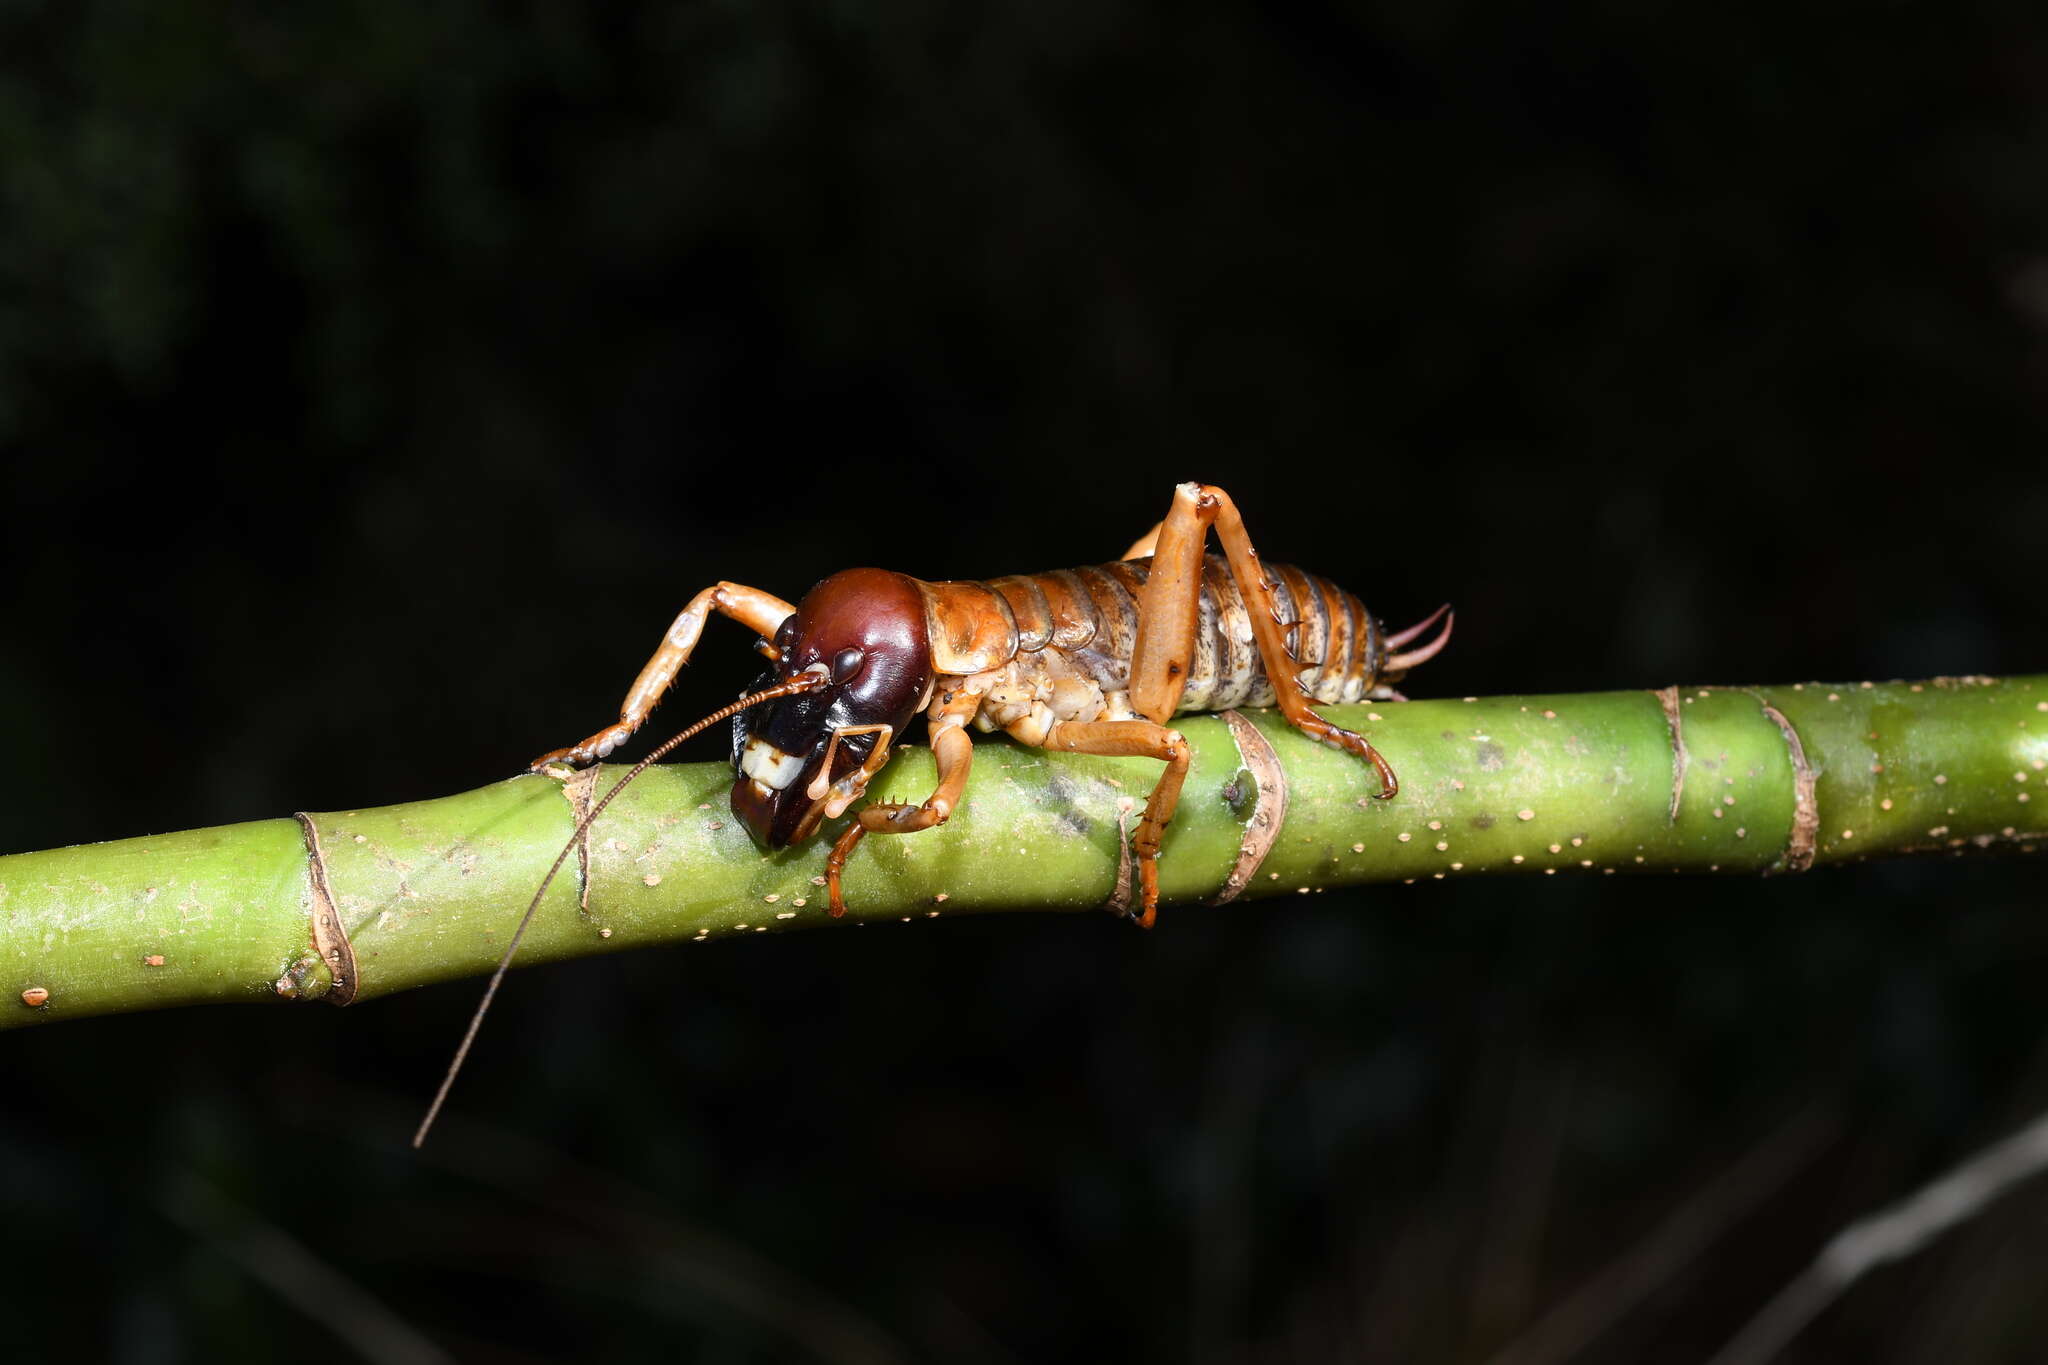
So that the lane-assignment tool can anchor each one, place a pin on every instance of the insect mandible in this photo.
(1092, 660)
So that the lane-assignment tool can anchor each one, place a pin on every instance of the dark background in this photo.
(375, 383)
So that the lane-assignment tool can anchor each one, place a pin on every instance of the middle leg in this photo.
(1135, 739)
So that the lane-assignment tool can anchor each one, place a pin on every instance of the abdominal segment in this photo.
(1075, 630)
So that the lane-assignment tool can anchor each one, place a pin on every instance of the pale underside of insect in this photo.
(1092, 660)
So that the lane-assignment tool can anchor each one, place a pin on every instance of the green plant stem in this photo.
(1701, 780)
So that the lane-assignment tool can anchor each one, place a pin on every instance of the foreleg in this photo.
(760, 612)
(953, 751)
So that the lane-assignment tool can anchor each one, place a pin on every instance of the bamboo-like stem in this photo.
(1700, 780)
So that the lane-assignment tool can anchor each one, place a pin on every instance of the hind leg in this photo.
(1168, 609)
(1144, 545)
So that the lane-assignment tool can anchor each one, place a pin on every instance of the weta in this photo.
(1091, 660)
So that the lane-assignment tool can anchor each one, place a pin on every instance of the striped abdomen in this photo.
(1091, 616)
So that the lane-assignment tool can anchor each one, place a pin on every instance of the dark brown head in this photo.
(864, 630)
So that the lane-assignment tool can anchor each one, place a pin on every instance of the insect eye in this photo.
(846, 663)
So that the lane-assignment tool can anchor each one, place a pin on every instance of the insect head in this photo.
(804, 759)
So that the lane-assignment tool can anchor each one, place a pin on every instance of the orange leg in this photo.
(954, 753)
(1145, 544)
(853, 784)
(1135, 739)
(758, 611)
(1168, 609)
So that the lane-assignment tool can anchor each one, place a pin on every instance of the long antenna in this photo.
(802, 682)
